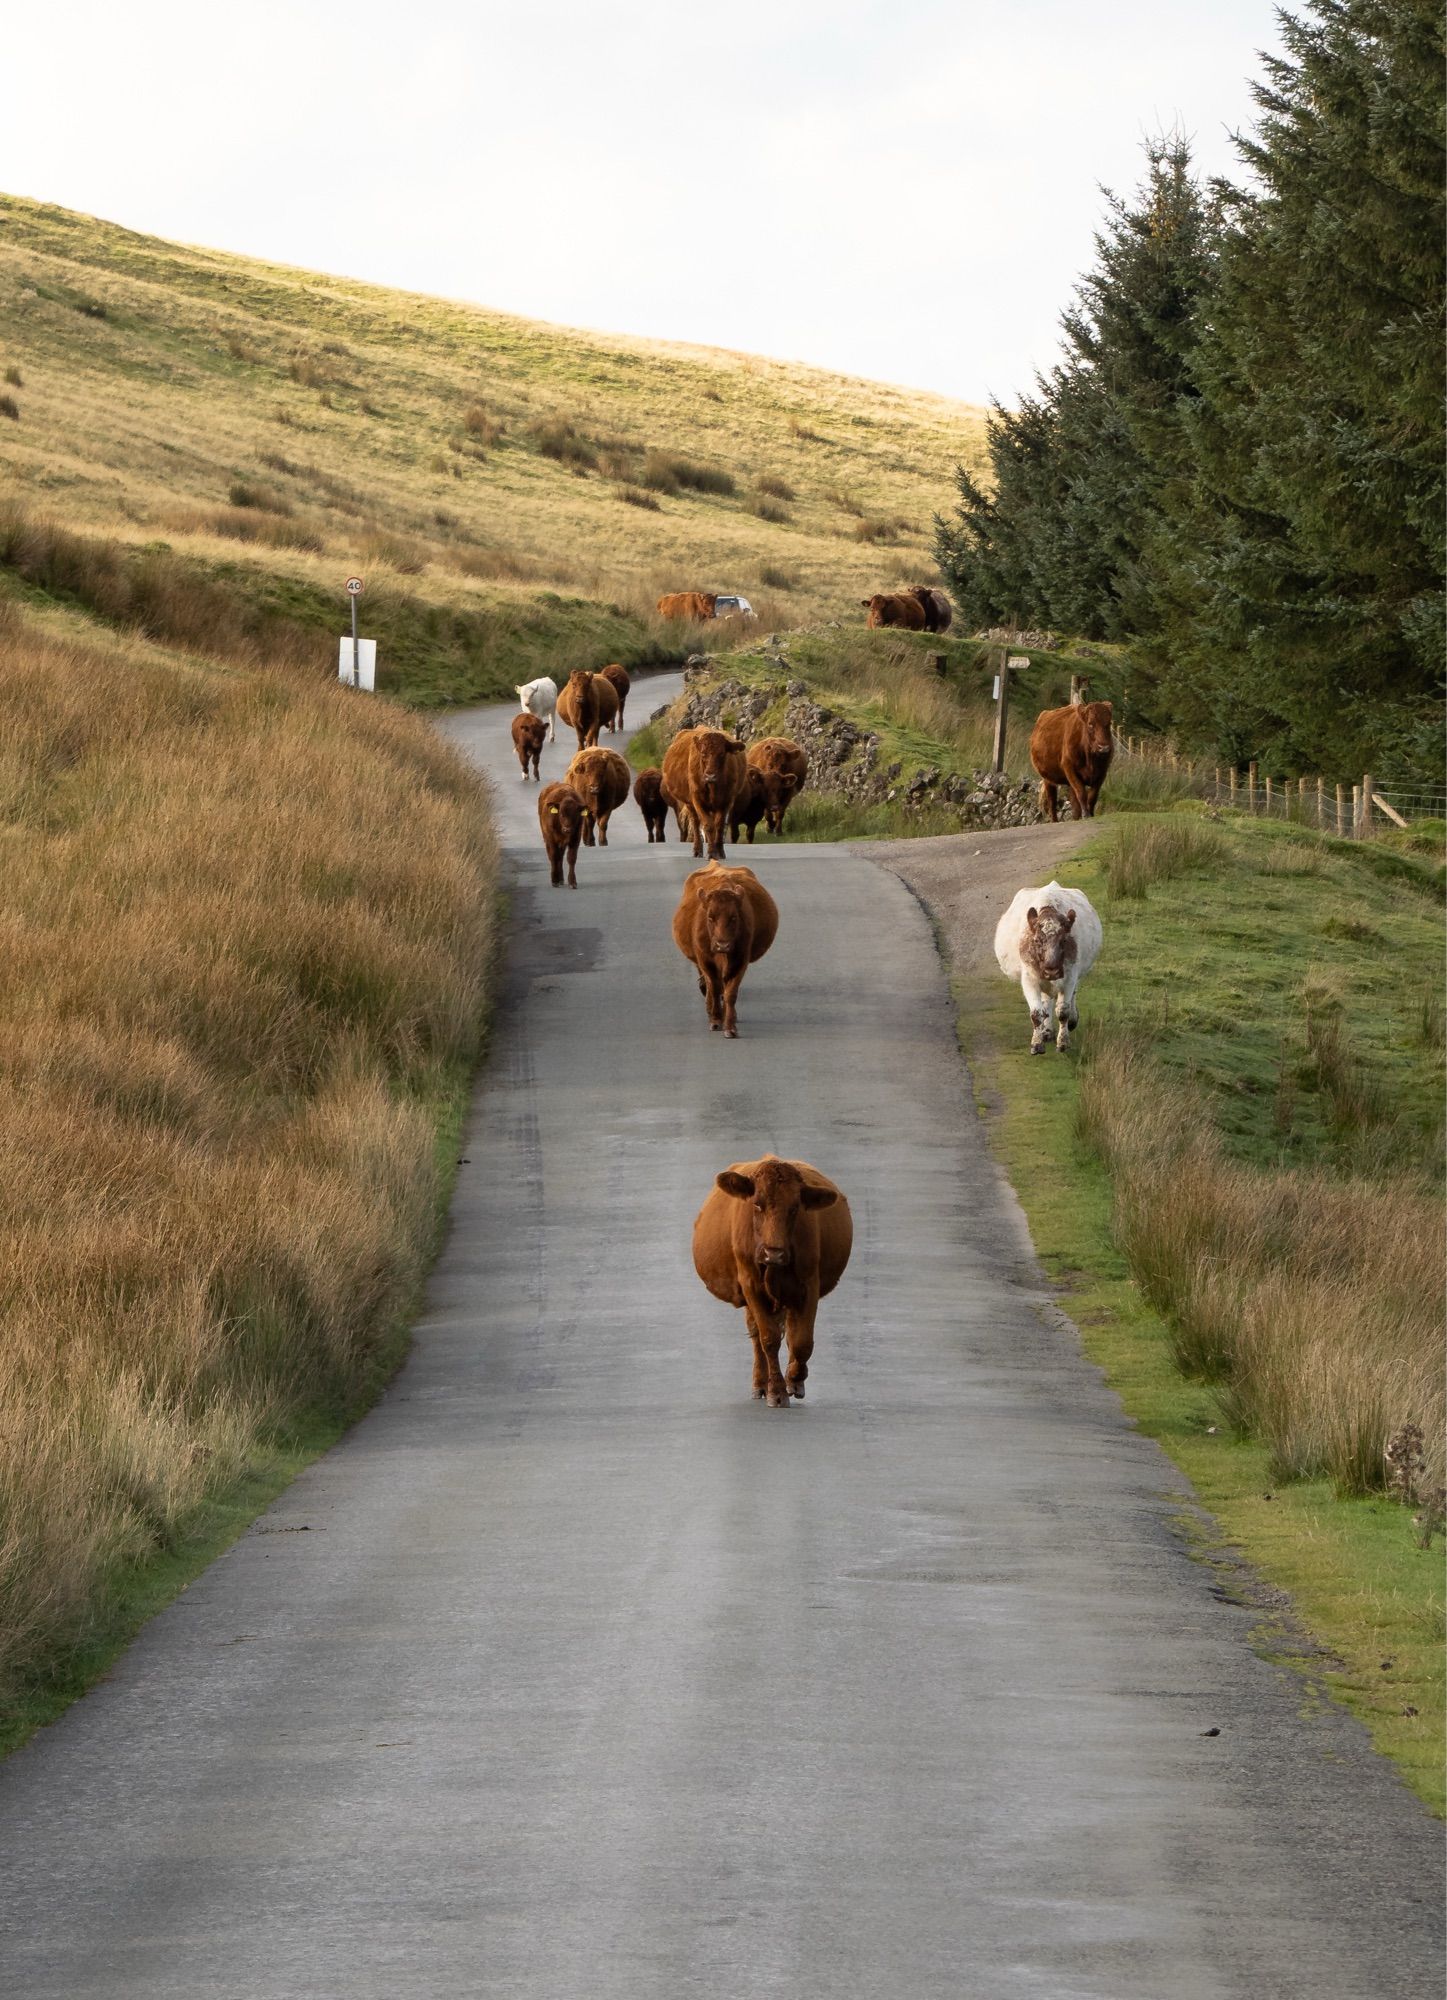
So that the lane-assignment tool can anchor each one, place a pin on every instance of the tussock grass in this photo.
(9, 408)
(1316, 1301)
(1141, 856)
(248, 927)
(766, 510)
(776, 488)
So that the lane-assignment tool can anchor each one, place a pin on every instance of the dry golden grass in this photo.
(207, 371)
(247, 927)
(1316, 1300)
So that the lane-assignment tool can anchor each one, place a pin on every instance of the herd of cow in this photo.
(774, 1236)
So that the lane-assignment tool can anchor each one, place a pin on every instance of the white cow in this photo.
(540, 697)
(1048, 939)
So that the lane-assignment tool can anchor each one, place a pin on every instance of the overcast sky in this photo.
(904, 189)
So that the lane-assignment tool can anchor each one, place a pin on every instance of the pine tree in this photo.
(1299, 576)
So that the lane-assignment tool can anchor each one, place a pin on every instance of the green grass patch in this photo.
(1209, 968)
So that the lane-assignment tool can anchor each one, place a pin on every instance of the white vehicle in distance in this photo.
(732, 607)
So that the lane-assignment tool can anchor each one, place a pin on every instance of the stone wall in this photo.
(843, 757)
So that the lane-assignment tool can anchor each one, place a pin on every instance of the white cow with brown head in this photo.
(1048, 939)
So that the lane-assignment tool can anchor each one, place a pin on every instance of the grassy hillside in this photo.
(516, 495)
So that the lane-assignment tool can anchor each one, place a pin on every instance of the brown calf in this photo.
(783, 767)
(1073, 747)
(652, 802)
(774, 1237)
(894, 608)
(749, 806)
(601, 779)
(560, 815)
(529, 734)
(725, 922)
(702, 772)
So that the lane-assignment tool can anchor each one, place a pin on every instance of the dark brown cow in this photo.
(652, 801)
(602, 781)
(939, 613)
(529, 734)
(560, 815)
(894, 608)
(725, 922)
(1072, 747)
(774, 1237)
(783, 767)
(749, 806)
(695, 604)
(620, 680)
(702, 771)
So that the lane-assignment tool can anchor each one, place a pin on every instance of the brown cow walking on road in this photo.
(620, 680)
(601, 779)
(529, 734)
(1073, 747)
(560, 815)
(894, 608)
(783, 767)
(725, 922)
(774, 1237)
(652, 801)
(702, 772)
(695, 604)
(586, 702)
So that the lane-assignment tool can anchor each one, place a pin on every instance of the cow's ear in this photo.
(791, 780)
(1032, 918)
(866, 602)
(812, 1197)
(1069, 919)
(738, 1185)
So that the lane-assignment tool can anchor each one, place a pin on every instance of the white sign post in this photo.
(354, 591)
(357, 663)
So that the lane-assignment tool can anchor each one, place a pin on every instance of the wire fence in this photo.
(1351, 812)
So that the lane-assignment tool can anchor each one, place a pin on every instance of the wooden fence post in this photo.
(1341, 814)
(1268, 795)
(1320, 804)
(1216, 786)
(1233, 787)
(1356, 812)
(1251, 786)
(1367, 828)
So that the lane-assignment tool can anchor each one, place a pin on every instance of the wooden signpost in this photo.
(1010, 663)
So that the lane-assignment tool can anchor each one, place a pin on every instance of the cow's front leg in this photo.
(761, 1368)
(801, 1345)
(769, 1326)
(712, 996)
(731, 985)
(573, 862)
(1038, 1002)
(1066, 1016)
(603, 819)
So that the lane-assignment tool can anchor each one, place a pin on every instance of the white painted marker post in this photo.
(354, 591)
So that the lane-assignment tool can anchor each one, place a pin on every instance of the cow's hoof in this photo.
(1037, 1048)
(731, 1034)
(796, 1390)
(715, 1027)
(778, 1399)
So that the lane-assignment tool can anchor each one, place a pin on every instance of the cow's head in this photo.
(723, 916)
(779, 788)
(1050, 946)
(566, 812)
(579, 680)
(712, 750)
(1095, 717)
(778, 1195)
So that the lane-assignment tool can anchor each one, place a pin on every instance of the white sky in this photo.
(904, 189)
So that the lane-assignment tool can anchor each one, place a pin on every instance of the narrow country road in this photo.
(591, 1679)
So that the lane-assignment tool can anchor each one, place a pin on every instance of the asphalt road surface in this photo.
(592, 1679)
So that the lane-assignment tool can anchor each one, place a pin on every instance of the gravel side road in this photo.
(575, 1674)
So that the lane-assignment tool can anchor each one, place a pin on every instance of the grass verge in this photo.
(249, 930)
(1201, 985)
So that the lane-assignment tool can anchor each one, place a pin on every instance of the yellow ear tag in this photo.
(554, 811)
